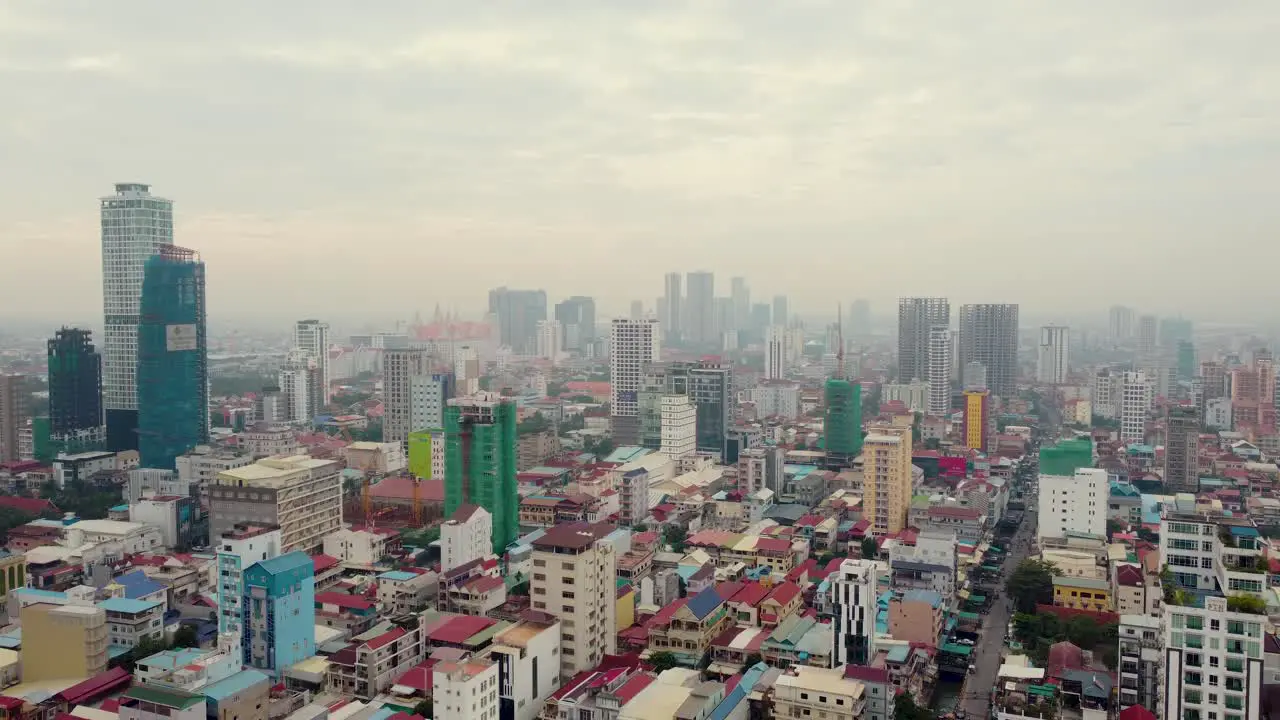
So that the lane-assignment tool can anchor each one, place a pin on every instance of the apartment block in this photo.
(886, 483)
(300, 494)
(574, 579)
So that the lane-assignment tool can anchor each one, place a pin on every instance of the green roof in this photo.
(163, 696)
(954, 649)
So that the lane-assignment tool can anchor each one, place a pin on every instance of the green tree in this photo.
(186, 637)
(1114, 527)
(1083, 631)
(11, 518)
(870, 549)
(1031, 584)
(905, 708)
(751, 661)
(1246, 604)
(535, 423)
(423, 709)
(663, 660)
(675, 536)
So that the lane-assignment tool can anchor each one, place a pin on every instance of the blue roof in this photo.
(397, 575)
(382, 713)
(137, 584)
(124, 507)
(285, 563)
(173, 659)
(1124, 490)
(125, 605)
(704, 603)
(626, 454)
(731, 701)
(929, 596)
(36, 592)
(1243, 531)
(233, 684)
(115, 651)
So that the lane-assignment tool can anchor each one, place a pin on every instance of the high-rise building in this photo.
(989, 335)
(886, 478)
(574, 578)
(173, 358)
(726, 323)
(741, 296)
(632, 345)
(519, 312)
(939, 370)
(1174, 331)
(842, 422)
(1228, 638)
(238, 548)
(1074, 503)
(550, 337)
(1053, 356)
(761, 318)
(1134, 400)
(75, 393)
(700, 297)
(1121, 323)
(854, 592)
(679, 426)
(480, 461)
(135, 224)
(1186, 360)
(312, 338)
(278, 613)
(917, 316)
(673, 319)
(1181, 461)
(577, 318)
(466, 370)
(974, 376)
(977, 419)
(414, 396)
(13, 413)
(781, 311)
(1141, 653)
(776, 352)
(860, 318)
(1147, 325)
(294, 381)
(299, 494)
(708, 383)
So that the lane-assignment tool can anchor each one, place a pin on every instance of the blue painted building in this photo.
(278, 613)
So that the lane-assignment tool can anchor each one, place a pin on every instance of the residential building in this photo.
(633, 344)
(62, 641)
(1129, 589)
(1121, 323)
(467, 535)
(300, 494)
(679, 426)
(886, 478)
(1181, 448)
(707, 383)
(238, 548)
(174, 515)
(528, 658)
(1073, 504)
(776, 352)
(1105, 392)
(1218, 414)
(1212, 551)
(149, 702)
(989, 335)
(853, 603)
(369, 666)
(577, 318)
(246, 695)
(415, 397)
(930, 564)
(1141, 662)
(1213, 663)
(818, 692)
(1053, 355)
(550, 341)
(915, 395)
(574, 579)
(687, 628)
(75, 394)
(173, 373)
(465, 690)
(362, 548)
(916, 319)
(518, 313)
(466, 370)
(939, 370)
(842, 422)
(916, 616)
(1082, 593)
(312, 338)
(269, 440)
(294, 381)
(131, 622)
(777, 399)
(880, 689)
(13, 414)
(1147, 325)
(375, 458)
(1134, 400)
(699, 310)
(401, 592)
(480, 461)
(135, 224)
(278, 615)
(978, 420)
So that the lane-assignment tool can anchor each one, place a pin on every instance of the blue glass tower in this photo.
(173, 376)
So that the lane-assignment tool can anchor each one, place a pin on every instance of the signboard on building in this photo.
(180, 337)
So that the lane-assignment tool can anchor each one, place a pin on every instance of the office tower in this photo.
(1052, 356)
(700, 313)
(1186, 360)
(781, 312)
(708, 383)
(673, 319)
(776, 352)
(974, 376)
(637, 309)
(725, 322)
(312, 338)
(632, 345)
(577, 318)
(518, 314)
(1121, 324)
(977, 419)
(1074, 503)
(574, 579)
(854, 592)
(294, 381)
(842, 422)
(886, 481)
(939, 370)
(741, 296)
(550, 336)
(75, 393)
(480, 461)
(1146, 334)
(13, 413)
(173, 359)
(299, 494)
(63, 640)
(135, 224)
(989, 335)
(237, 549)
(679, 426)
(414, 396)
(916, 318)
(1174, 331)
(860, 318)
(1134, 399)
(1181, 461)
(278, 613)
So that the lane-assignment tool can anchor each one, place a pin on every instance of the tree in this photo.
(675, 537)
(915, 427)
(423, 709)
(905, 708)
(663, 660)
(870, 549)
(751, 661)
(11, 518)
(533, 424)
(186, 637)
(1246, 604)
(1113, 528)
(1031, 584)
(639, 528)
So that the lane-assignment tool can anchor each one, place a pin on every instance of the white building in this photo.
(1213, 664)
(915, 395)
(465, 690)
(939, 370)
(268, 440)
(632, 344)
(1106, 393)
(312, 338)
(362, 548)
(777, 353)
(466, 536)
(135, 224)
(414, 397)
(550, 337)
(815, 692)
(294, 380)
(853, 607)
(1217, 413)
(1075, 504)
(679, 425)
(375, 457)
(301, 494)
(528, 656)
(777, 398)
(79, 466)
(202, 465)
(1135, 401)
(238, 548)
(1052, 360)
(574, 579)
(466, 370)
(164, 512)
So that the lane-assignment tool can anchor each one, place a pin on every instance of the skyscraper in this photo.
(741, 296)
(939, 372)
(842, 422)
(13, 411)
(1121, 323)
(312, 338)
(886, 482)
(1053, 355)
(700, 313)
(775, 352)
(173, 362)
(550, 340)
(75, 392)
(1181, 463)
(414, 395)
(480, 461)
(781, 311)
(989, 335)
(294, 380)
(673, 319)
(1134, 401)
(916, 317)
(632, 345)
(135, 224)
(519, 312)
(577, 318)
(1147, 325)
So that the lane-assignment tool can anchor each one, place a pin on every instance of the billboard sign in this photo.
(178, 338)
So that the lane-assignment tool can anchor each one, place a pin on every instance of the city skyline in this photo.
(669, 136)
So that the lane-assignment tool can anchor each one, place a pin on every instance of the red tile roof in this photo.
(323, 562)
(28, 505)
(96, 686)
(342, 600)
(775, 545)
(751, 595)
(457, 630)
(1129, 576)
(784, 593)
(418, 677)
(385, 638)
(632, 687)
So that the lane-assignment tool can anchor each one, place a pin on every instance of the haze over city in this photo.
(357, 161)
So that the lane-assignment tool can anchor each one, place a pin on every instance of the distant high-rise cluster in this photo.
(917, 318)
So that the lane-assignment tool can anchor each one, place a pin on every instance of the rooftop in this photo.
(232, 684)
(125, 605)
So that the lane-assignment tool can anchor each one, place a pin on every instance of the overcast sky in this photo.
(340, 158)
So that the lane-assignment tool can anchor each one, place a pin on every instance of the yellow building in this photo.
(1081, 593)
(63, 641)
(13, 572)
(626, 605)
(977, 420)
(886, 478)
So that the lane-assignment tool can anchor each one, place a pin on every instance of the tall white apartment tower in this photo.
(679, 426)
(853, 610)
(466, 370)
(1075, 504)
(673, 306)
(574, 578)
(135, 224)
(312, 338)
(550, 336)
(1052, 363)
(939, 370)
(1134, 401)
(632, 344)
(414, 397)
(776, 357)
(295, 387)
